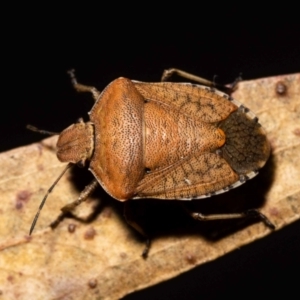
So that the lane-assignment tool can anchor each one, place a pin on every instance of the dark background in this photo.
(39, 44)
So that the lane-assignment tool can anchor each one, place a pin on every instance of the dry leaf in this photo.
(101, 259)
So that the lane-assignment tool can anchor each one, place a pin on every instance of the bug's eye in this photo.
(81, 164)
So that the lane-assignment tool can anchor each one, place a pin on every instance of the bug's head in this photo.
(76, 143)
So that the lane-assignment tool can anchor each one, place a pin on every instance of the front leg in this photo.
(71, 206)
(83, 88)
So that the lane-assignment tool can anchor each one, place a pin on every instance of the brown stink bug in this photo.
(164, 140)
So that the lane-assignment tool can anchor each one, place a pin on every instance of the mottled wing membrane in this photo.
(193, 100)
(192, 178)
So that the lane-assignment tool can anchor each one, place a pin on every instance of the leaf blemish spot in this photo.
(92, 283)
(296, 132)
(90, 233)
(106, 213)
(281, 88)
(28, 238)
(71, 228)
(190, 258)
(123, 255)
(22, 197)
(273, 211)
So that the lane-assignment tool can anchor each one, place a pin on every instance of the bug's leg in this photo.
(71, 206)
(129, 217)
(228, 89)
(83, 88)
(250, 213)
(170, 72)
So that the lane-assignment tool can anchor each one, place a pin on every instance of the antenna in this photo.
(46, 132)
(46, 196)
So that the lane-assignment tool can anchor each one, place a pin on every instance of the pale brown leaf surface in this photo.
(101, 258)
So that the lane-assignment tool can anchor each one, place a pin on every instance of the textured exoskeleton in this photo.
(164, 140)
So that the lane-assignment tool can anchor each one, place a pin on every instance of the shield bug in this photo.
(164, 140)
